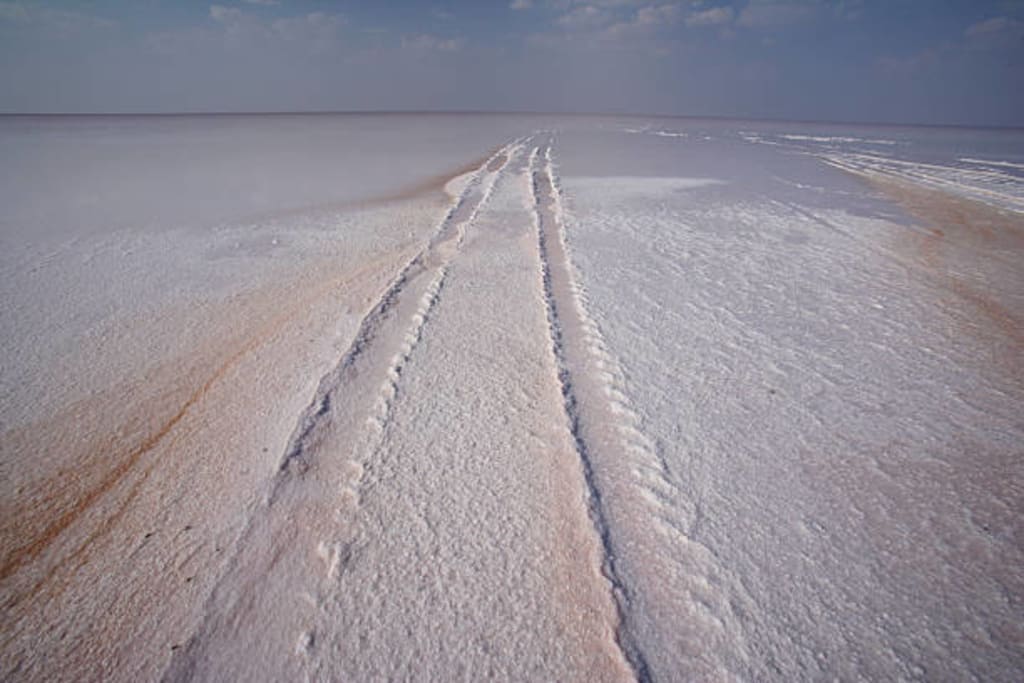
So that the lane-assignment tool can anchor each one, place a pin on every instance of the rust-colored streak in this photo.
(27, 552)
(969, 250)
(80, 556)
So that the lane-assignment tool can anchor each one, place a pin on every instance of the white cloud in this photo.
(521, 4)
(994, 27)
(910, 65)
(64, 21)
(318, 31)
(715, 16)
(264, 3)
(585, 17)
(425, 41)
(998, 33)
(240, 32)
(849, 9)
(599, 3)
(777, 13)
(619, 20)
(314, 27)
(988, 36)
(226, 15)
(658, 15)
(645, 24)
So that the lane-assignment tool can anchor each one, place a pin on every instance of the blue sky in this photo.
(912, 61)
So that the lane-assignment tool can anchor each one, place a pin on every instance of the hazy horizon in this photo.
(481, 112)
(842, 61)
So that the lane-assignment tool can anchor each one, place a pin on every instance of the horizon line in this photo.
(494, 112)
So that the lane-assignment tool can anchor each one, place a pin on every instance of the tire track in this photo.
(448, 248)
(629, 483)
(336, 550)
(563, 313)
(474, 552)
(443, 245)
(300, 539)
(129, 471)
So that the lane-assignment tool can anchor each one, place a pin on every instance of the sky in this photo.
(901, 61)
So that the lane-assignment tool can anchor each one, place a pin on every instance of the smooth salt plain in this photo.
(433, 396)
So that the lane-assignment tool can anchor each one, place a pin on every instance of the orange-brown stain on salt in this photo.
(20, 555)
(964, 244)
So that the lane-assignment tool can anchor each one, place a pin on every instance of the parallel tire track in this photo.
(562, 312)
(352, 400)
(461, 212)
(632, 490)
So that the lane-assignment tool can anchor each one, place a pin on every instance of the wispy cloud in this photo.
(60, 20)
(425, 41)
(556, 53)
(996, 29)
(645, 21)
(778, 13)
(585, 17)
(226, 15)
(909, 65)
(239, 31)
(998, 37)
(715, 16)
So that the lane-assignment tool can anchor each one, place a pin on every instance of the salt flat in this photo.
(517, 397)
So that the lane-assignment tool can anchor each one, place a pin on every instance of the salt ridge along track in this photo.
(630, 493)
(375, 517)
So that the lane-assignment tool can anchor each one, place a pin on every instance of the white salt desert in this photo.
(525, 398)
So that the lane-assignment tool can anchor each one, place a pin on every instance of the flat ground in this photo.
(619, 403)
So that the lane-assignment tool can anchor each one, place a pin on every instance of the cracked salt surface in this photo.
(711, 401)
